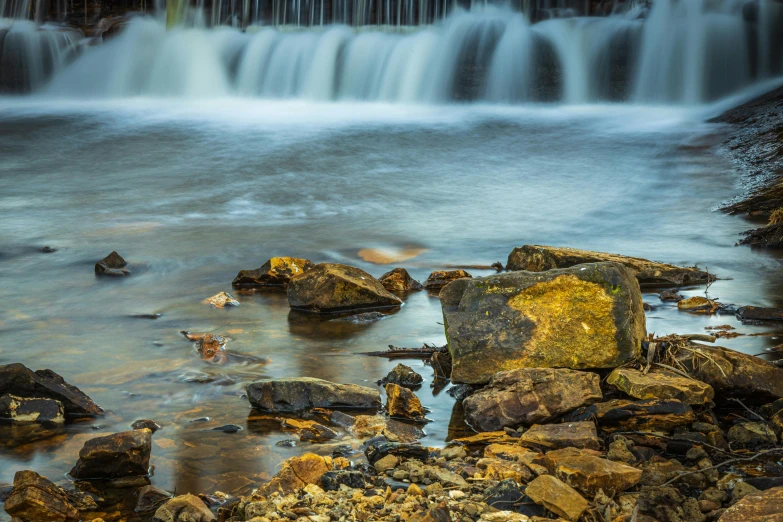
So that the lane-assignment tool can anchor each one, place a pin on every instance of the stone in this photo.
(148, 424)
(368, 426)
(150, 499)
(620, 452)
(404, 376)
(731, 373)
(585, 472)
(277, 271)
(757, 313)
(501, 469)
(441, 366)
(751, 434)
(766, 506)
(386, 463)
(557, 436)
(112, 265)
(698, 305)
(22, 409)
(296, 394)
(379, 447)
(221, 300)
(621, 414)
(297, 472)
(742, 490)
(528, 396)
(37, 499)
(125, 454)
(184, 508)
(401, 402)
(588, 316)
(557, 496)
(331, 287)
(332, 480)
(440, 278)
(511, 452)
(660, 384)
(18, 380)
(309, 430)
(212, 349)
(539, 258)
(399, 281)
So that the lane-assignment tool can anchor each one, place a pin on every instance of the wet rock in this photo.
(557, 436)
(403, 376)
(556, 496)
(221, 300)
(379, 448)
(589, 316)
(770, 236)
(121, 455)
(37, 499)
(21, 409)
(332, 480)
(212, 349)
(399, 281)
(151, 498)
(660, 384)
(297, 472)
(757, 313)
(751, 434)
(766, 506)
(441, 365)
(304, 393)
(331, 287)
(461, 391)
(146, 424)
(640, 415)
(441, 278)
(277, 271)
(401, 402)
(530, 396)
(670, 296)
(184, 508)
(309, 430)
(731, 373)
(537, 258)
(112, 265)
(698, 305)
(584, 471)
(228, 428)
(368, 426)
(18, 380)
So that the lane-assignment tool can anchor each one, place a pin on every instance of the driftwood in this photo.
(394, 352)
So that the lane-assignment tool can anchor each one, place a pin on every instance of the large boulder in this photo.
(277, 271)
(660, 384)
(399, 281)
(20, 381)
(538, 258)
(304, 393)
(766, 506)
(125, 454)
(588, 473)
(588, 316)
(37, 499)
(21, 409)
(530, 396)
(731, 373)
(331, 287)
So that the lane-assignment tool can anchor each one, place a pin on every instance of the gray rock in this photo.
(304, 393)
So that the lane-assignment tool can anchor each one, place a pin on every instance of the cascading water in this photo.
(679, 51)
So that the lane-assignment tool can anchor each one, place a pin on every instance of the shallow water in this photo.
(191, 193)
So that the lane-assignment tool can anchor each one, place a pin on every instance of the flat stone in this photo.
(557, 496)
(184, 508)
(501, 469)
(331, 287)
(125, 454)
(297, 472)
(538, 258)
(698, 305)
(588, 316)
(530, 396)
(440, 278)
(766, 506)
(221, 300)
(660, 384)
(277, 271)
(635, 415)
(18, 380)
(401, 402)
(304, 393)
(399, 281)
(37, 499)
(757, 313)
(22, 409)
(557, 436)
(584, 471)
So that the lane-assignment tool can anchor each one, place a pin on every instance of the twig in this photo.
(730, 461)
(425, 351)
(700, 337)
(762, 419)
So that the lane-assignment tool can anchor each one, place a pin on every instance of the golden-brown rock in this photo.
(125, 454)
(698, 305)
(184, 508)
(221, 300)
(501, 469)
(22, 409)
(538, 258)
(401, 402)
(660, 384)
(440, 278)
(37, 499)
(566, 435)
(556, 496)
(584, 471)
(297, 472)
(277, 271)
(766, 506)
(636, 415)
(399, 281)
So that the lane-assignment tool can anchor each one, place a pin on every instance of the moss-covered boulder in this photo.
(331, 287)
(537, 258)
(277, 271)
(587, 316)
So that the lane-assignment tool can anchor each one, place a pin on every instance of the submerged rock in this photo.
(404, 376)
(146, 424)
(400, 281)
(331, 287)
(558, 436)
(221, 300)
(212, 349)
(530, 396)
(757, 313)
(440, 278)
(698, 305)
(660, 384)
(765, 506)
(640, 415)
(588, 473)
(304, 393)
(277, 271)
(184, 508)
(538, 258)
(18, 380)
(125, 454)
(557, 496)
(587, 316)
(21, 409)
(401, 402)
(112, 265)
(37, 499)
